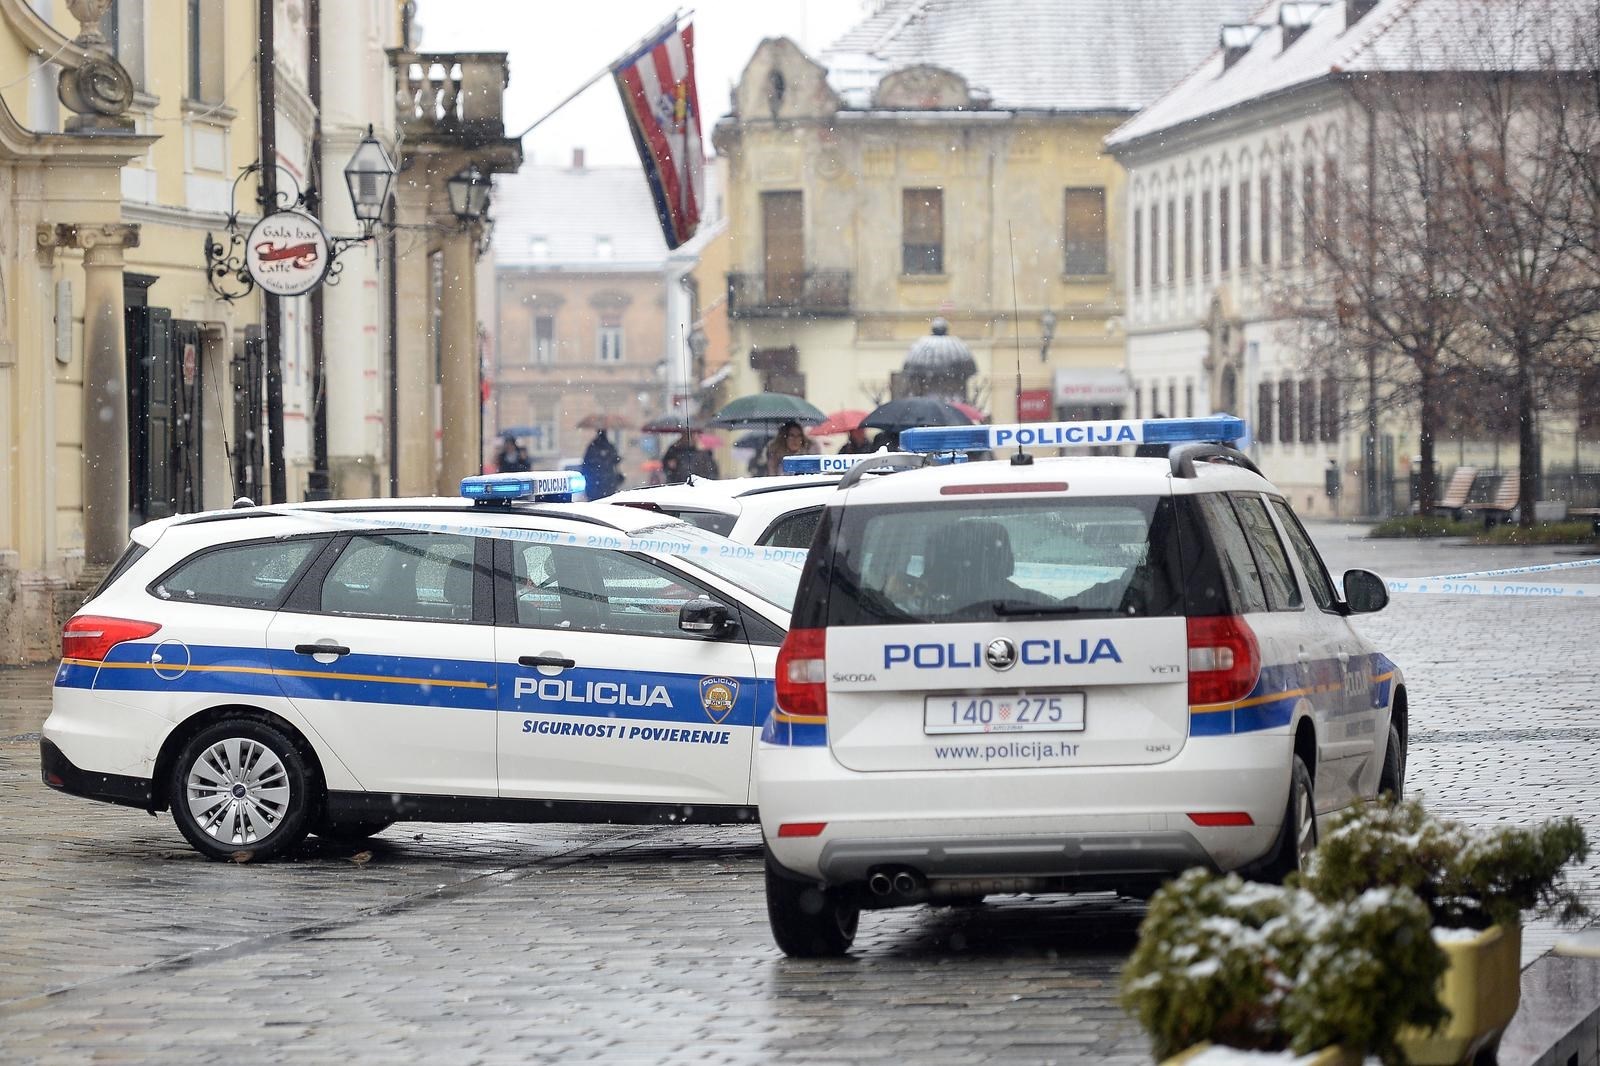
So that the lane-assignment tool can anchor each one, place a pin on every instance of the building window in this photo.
(1172, 241)
(1264, 412)
(1308, 412)
(1188, 399)
(205, 51)
(609, 340)
(922, 231)
(1224, 229)
(1330, 196)
(1085, 232)
(1286, 218)
(1138, 402)
(1138, 248)
(1286, 411)
(123, 28)
(1330, 410)
(1308, 192)
(1155, 245)
(1244, 225)
(1266, 220)
(1155, 402)
(544, 340)
(1205, 234)
(1188, 238)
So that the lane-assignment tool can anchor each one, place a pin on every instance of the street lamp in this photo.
(469, 194)
(368, 174)
(1047, 331)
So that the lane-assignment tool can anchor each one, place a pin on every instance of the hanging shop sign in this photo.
(287, 253)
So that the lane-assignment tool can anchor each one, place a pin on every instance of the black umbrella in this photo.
(898, 415)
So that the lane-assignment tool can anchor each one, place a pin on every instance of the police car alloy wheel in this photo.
(809, 921)
(240, 790)
(1299, 836)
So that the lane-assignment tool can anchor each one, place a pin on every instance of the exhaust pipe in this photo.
(904, 883)
(880, 884)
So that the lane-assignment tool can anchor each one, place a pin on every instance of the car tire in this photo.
(1299, 833)
(808, 921)
(350, 832)
(1392, 781)
(240, 790)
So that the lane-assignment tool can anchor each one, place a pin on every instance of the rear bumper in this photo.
(1098, 826)
(61, 774)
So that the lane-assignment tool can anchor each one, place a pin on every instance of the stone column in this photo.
(105, 387)
(461, 399)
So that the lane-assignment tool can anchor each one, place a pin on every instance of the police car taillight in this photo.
(1224, 660)
(91, 636)
(802, 673)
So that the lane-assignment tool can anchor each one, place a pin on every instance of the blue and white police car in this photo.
(1066, 674)
(268, 671)
(778, 511)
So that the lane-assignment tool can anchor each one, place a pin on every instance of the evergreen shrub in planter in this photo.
(1270, 968)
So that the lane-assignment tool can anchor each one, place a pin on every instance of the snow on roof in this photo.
(577, 218)
(1395, 36)
(1050, 55)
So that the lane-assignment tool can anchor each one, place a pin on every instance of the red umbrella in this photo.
(838, 422)
(968, 410)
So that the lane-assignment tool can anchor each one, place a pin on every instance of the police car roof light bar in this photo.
(555, 487)
(1089, 434)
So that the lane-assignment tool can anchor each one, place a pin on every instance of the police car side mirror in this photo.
(705, 617)
(1364, 592)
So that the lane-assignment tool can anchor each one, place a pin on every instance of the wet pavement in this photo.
(501, 943)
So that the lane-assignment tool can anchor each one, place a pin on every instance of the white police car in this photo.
(1076, 673)
(265, 672)
(778, 511)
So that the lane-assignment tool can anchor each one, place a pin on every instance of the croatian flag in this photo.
(657, 87)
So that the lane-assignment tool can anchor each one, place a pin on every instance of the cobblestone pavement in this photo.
(497, 943)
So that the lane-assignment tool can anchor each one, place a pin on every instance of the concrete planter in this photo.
(1481, 990)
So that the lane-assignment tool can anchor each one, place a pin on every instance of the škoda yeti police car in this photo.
(265, 672)
(1075, 673)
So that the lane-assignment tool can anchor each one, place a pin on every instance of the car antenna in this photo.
(1022, 458)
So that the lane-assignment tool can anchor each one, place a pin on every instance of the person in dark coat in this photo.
(600, 462)
(678, 462)
(857, 444)
(511, 458)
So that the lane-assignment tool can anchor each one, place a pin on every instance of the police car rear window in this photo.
(710, 521)
(949, 562)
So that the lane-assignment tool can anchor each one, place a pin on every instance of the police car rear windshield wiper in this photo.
(1004, 607)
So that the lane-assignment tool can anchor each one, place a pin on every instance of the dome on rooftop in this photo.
(939, 355)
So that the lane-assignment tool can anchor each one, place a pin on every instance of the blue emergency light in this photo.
(821, 464)
(1097, 434)
(557, 487)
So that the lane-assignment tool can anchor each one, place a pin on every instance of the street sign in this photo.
(287, 253)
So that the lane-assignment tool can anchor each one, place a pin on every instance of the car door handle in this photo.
(546, 660)
(321, 649)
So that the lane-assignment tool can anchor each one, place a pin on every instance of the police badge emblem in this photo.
(717, 695)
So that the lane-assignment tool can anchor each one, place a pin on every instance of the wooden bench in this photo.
(1459, 488)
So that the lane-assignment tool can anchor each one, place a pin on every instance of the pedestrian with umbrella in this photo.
(511, 458)
(791, 440)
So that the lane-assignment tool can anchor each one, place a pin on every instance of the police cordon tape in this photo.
(1478, 583)
(610, 541)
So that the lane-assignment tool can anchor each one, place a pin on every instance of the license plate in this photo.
(1005, 712)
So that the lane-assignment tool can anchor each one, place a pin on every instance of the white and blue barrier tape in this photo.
(1483, 583)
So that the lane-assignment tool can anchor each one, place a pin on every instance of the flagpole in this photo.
(677, 16)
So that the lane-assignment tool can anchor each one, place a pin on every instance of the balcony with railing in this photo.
(789, 294)
(453, 98)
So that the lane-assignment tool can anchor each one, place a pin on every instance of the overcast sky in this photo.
(555, 45)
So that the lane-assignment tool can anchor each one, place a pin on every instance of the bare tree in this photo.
(1385, 301)
(1532, 281)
